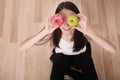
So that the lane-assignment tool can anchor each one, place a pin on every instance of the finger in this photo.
(49, 18)
(46, 25)
(83, 17)
(79, 14)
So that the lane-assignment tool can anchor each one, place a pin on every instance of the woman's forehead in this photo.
(66, 12)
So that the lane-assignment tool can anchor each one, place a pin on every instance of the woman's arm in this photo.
(48, 29)
(90, 32)
(100, 40)
(33, 39)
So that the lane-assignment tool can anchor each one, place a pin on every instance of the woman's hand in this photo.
(49, 26)
(82, 25)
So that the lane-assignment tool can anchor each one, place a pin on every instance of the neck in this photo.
(67, 37)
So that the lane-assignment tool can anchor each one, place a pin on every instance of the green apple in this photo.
(72, 20)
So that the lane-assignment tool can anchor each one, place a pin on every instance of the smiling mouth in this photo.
(67, 29)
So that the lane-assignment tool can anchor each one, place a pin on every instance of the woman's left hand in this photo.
(82, 24)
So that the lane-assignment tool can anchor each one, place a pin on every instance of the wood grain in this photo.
(2, 10)
(20, 19)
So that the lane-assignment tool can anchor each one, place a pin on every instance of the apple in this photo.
(57, 20)
(72, 20)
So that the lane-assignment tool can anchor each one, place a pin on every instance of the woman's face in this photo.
(65, 28)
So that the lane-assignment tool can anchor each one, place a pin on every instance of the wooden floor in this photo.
(20, 19)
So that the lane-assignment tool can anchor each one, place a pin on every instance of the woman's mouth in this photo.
(67, 29)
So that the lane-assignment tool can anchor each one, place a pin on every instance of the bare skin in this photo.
(67, 32)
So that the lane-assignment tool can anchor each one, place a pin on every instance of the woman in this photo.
(72, 50)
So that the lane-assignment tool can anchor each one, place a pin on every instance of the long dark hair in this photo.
(79, 39)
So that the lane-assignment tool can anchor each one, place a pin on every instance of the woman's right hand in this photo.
(49, 26)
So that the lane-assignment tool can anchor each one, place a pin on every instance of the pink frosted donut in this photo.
(57, 20)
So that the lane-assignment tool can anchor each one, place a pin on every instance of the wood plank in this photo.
(2, 10)
(85, 9)
(116, 61)
(38, 11)
(93, 11)
(116, 10)
(14, 22)
(112, 37)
